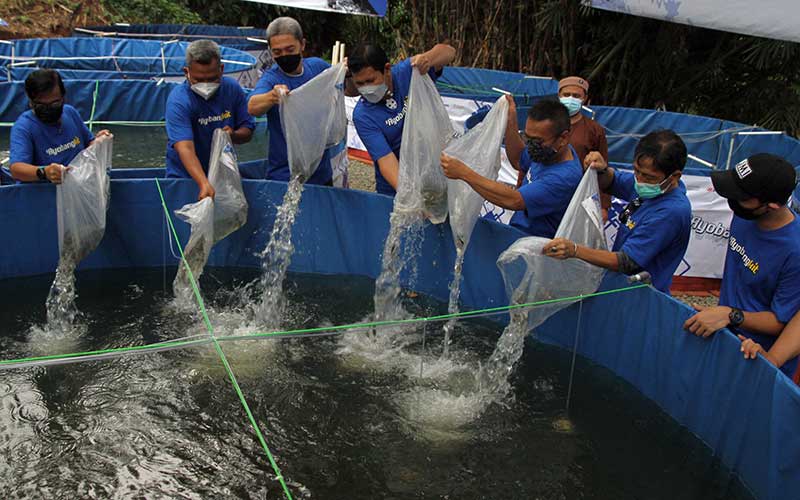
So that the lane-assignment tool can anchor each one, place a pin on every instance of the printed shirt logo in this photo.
(391, 103)
(390, 122)
(743, 169)
(74, 143)
(630, 224)
(218, 118)
(748, 263)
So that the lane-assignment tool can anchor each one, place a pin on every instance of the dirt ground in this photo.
(361, 175)
(48, 18)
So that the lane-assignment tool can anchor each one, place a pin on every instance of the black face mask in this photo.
(49, 113)
(289, 63)
(541, 153)
(744, 213)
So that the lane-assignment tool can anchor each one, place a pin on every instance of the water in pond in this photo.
(144, 147)
(342, 426)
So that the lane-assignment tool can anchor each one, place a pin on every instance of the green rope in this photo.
(94, 102)
(221, 354)
(310, 331)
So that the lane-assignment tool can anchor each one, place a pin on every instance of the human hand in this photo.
(751, 348)
(595, 161)
(561, 249)
(274, 96)
(227, 129)
(55, 172)
(708, 320)
(422, 62)
(453, 168)
(206, 190)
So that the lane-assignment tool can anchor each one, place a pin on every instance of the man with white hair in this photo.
(290, 71)
(205, 102)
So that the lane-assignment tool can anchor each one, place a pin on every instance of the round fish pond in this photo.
(355, 414)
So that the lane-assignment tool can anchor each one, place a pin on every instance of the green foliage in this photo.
(151, 11)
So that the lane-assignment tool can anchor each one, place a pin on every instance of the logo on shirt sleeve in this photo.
(216, 118)
(74, 143)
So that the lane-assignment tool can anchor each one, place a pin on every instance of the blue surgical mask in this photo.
(573, 104)
(373, 93)
(648, 191)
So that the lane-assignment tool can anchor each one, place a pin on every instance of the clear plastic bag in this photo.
(421, 185)
(479, 148)
(212, 220)
(82, 201)
(313, 118)
(531, 277)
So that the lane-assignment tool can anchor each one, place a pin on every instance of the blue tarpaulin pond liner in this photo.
(102, 58)
(745, 411)
(235, 37)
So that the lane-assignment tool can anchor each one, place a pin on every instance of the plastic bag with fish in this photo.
(212, 219)
(421, 184)
(313, 119)
(479, 149)
(81, 202)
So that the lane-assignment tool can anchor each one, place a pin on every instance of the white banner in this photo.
(777, 19)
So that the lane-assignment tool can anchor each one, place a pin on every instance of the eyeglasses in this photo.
(629, 210)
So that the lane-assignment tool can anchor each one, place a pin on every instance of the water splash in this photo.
(494, 375)
(277, 256)
(452, 305)
(402, 246)
(61, 310)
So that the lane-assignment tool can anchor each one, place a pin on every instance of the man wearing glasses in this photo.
(47, 137)
(655, 227)
(290, 71)
(550, 166)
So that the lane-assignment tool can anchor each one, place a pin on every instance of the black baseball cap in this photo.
(765, 176)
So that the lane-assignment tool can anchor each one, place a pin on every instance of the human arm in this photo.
(709, 320)
(437, 58)
(596, 160)
(389, 167)
(191, 163)
(786, 347)
(26, 172)
(492, 191)
(514, 143)
(261, 102)
(562, 248)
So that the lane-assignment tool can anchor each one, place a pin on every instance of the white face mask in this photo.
(206, 90)
(373, 93)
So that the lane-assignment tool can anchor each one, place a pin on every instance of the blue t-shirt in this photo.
(380, 126)
(657, 233)
(278, 158)
(192, 118)
(40, 144)
(762, 273)
(546, 191)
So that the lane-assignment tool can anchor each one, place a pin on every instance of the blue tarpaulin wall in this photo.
(103, 55)
(228, 36)
(746, 411)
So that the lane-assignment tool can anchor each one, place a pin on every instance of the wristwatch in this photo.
(41, 174)
(736, 317)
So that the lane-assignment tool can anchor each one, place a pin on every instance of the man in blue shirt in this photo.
(379, 116)
(47, 137)
(290, 71)
(655, 227)
(551, 167)
(760, 289)
(205, 102)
